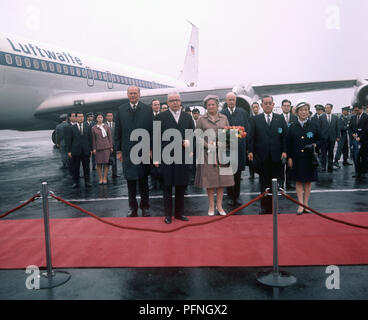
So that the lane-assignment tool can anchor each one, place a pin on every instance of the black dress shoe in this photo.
(88, 184)
(116, 175)
(347, 163)
(265, 211)
(75, 185)
(133, 213)
(167, 220)
(336, 164)
(145, 213)
(181, 217)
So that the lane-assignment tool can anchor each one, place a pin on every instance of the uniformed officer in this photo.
(343, 144)
(302, 139)
(60, 141)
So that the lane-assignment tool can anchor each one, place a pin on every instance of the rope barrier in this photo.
(157, 230)
(36, 196)
(321, 215)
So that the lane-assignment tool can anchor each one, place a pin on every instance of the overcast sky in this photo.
(241, 42)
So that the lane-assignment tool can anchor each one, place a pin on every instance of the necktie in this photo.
(268, 120)
(329, 119)
(80, 129)
(134, 107)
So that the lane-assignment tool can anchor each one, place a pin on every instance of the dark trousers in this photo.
(234, 191)
(179, 200)
(328, 153)
(362, 161)
(342, 148)
(114, 168)
(269, 170)
(143, 191)
(75, 165)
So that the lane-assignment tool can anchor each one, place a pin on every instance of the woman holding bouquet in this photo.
(208, 174)
(302, 139)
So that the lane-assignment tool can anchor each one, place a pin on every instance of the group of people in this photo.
(293, 138)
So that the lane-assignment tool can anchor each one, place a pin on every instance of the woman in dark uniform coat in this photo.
(303, 136)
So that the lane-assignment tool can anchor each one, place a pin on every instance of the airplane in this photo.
(39, 82)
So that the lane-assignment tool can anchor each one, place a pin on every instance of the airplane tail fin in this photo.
(189, 74)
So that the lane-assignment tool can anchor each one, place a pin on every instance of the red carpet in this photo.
(237, 241)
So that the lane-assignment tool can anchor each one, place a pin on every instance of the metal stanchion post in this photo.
(50, 278)
(275, 278)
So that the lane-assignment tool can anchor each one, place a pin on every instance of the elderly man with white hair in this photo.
(175, 174)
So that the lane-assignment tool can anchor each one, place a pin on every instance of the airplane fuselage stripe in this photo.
(30, 63)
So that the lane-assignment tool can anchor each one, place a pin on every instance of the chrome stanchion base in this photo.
(281, 279)
(55, 279)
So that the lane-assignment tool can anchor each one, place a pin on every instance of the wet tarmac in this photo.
(28, 158)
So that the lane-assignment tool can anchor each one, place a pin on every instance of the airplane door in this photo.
(90, 79)
(110, 83)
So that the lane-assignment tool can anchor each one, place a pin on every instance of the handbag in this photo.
(315, 159)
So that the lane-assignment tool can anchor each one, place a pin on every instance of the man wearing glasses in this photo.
(177, 173)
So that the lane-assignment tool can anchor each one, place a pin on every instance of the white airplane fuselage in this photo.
(30, 72)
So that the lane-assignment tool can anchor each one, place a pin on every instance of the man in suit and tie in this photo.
(237, 117)
(330, 123)
(155, 173)
(255, 109)
(195, 114)
(175, 174)
(112, 125)
(358, 131)
(289, 119)
(79, 148)
(267, 146)
(343, 144)
(131, 116)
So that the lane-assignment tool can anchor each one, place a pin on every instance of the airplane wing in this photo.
(109, 100)
(291, 88)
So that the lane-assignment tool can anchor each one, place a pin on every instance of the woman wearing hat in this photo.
(102, 147)
(302, 139)
(208, 174)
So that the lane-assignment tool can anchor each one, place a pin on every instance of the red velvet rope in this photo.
(323, 216)
(157, 230)
(36, 196)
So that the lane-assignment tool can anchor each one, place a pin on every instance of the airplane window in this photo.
(36, 64)
(104, 76)
(8, 59)
(18, 61)
(89, 72)
(44, 65)
(109, 77)
(114, 78)
(78, 72)
(66, 70)
(100, 75)
(84, 73)
(52, 67)
(72, 70)
(27, 62)
(94, 74)
(58, 68)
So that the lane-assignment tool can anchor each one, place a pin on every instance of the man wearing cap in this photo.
(267, 147)
(237, 117)
(332, 135)
(343, 144)
(60, 141)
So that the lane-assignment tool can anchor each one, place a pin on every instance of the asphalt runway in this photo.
(29, 158)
